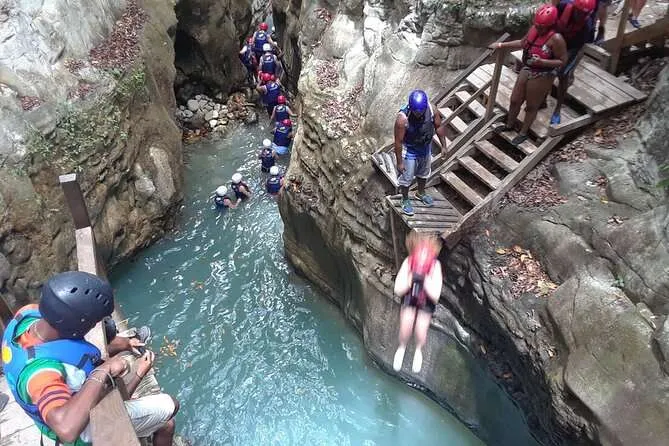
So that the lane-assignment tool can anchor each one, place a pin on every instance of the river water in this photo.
(255, 355)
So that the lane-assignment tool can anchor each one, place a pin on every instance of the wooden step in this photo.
(475, 106)
(501, 158)
(435, 139)
(462, 188)
(457, 123)
(479, 172)
(527, 147)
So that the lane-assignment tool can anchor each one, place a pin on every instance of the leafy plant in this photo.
(665, 182)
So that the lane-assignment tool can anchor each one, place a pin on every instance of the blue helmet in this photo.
(418, 101)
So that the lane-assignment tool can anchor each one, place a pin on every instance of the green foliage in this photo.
(664, 183)
(131, 83)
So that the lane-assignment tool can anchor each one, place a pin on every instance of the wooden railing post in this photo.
(497, 73)
(110, 423)
(616, 47)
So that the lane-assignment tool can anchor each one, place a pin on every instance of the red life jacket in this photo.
(566, 26)
(421, 262)
(536, 45)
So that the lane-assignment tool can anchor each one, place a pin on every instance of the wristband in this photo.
(107, 374)
(499, 45)
(96, 379)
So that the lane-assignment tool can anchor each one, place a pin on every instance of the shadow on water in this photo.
(260, 357)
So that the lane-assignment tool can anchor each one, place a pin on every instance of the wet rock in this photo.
(213, 114)
(163, 176)
(17, 249)
(193, 105)
(251, 118)
(213, 123)
(5, 271)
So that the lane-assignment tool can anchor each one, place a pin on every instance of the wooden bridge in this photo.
(481, 164)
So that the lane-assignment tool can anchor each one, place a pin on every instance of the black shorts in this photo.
(568, 69)
(410, 301)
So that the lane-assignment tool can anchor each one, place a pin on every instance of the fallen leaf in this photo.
(517, 249)
(598, 132)
(604, 200)
(500, 251)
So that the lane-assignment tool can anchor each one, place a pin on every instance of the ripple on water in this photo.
(262, 359)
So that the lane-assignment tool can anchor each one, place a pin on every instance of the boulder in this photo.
(193, 105)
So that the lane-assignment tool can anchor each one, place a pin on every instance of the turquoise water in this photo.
(262, 358)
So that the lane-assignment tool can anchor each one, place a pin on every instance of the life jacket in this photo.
(220, 201)
(421, 262)
(281, 135)
(281, 113)
(566, 26)
(273, 92)
(237, 189)
(273, 184)
(266, 158)
(247, 57)
(79, 354)
(536, 45)
(268, 64)
(259, 39)
(418, 135)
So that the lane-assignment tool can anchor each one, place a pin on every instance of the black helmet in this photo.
(73, 302)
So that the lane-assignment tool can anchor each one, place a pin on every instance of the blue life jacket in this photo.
(259, 39)
(281, 137)
(236, 189)
(273, 184)
(266, 158)
(273, 93)
(247, 57)
(418, 135)
(281, 113)
(220, 201)
(77, 353)
(268, 64)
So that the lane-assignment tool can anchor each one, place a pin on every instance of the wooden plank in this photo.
(494, 85)
(75, 200)
(455, 121)
(574, 124)
(473, 104)
(496, 155)
(527, 147)
(463, 75)
(462, 188)
(445, 213)
(480, 172)
(391, 168)
(429, 225)
(647, 33)
(616, 44)
(614, 81)
(110, 423)
(438, 218)
(600, 54)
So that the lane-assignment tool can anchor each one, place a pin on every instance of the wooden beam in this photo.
(494, 84)
(110, 422)
(647, 33)
(75, 200)
(616, 45)
(465, 104)
(566, 127)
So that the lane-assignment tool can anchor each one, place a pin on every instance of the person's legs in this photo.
(423, 170)
(517, 98)
(407, 317)
(565, 78)
(150, 415)
(536, 91)
(637, 6)
(405, 180)
(421, 328)
(602, 15)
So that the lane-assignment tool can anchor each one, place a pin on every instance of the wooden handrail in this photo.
(470, 69)
(616, 46)
(494, 83)
(110, 423)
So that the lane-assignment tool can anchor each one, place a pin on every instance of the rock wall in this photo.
(209, 36)
(86, 87)
(357, 61)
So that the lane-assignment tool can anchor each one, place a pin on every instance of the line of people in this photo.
(552, 47)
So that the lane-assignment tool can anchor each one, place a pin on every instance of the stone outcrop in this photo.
(85, 86)
(585, 365)
(209, 35)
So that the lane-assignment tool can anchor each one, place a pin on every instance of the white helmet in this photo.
(221, 190)
(266, 143)
(267, 47)
(237, 178)
(274, 170)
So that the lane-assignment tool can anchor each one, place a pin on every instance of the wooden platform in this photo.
(439, 218)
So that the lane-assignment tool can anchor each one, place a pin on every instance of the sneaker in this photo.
(425, 198)
(555, 119)
(417, 361)
(399, 358)
(519, 139)
(634, 22)
(143, 334)
(407, 209)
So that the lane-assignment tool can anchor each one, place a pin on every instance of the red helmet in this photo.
(266, 77)
(263, 26)
(249, 40)
(586, 6)
(287, 122)
(281, 99)
(547, 15)
(272, 77)
(422, 258)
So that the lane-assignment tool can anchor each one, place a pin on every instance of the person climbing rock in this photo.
(281, 111)
(268, 61)
(575, 23)
(267, 156)
(544, 52)
(418, 284)
(275, 181)
(283, 137)
(239, 187)
(260, 38)
(249, 61)
(270, 92)
(57, 377)
(222, 200)
(415, 125)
